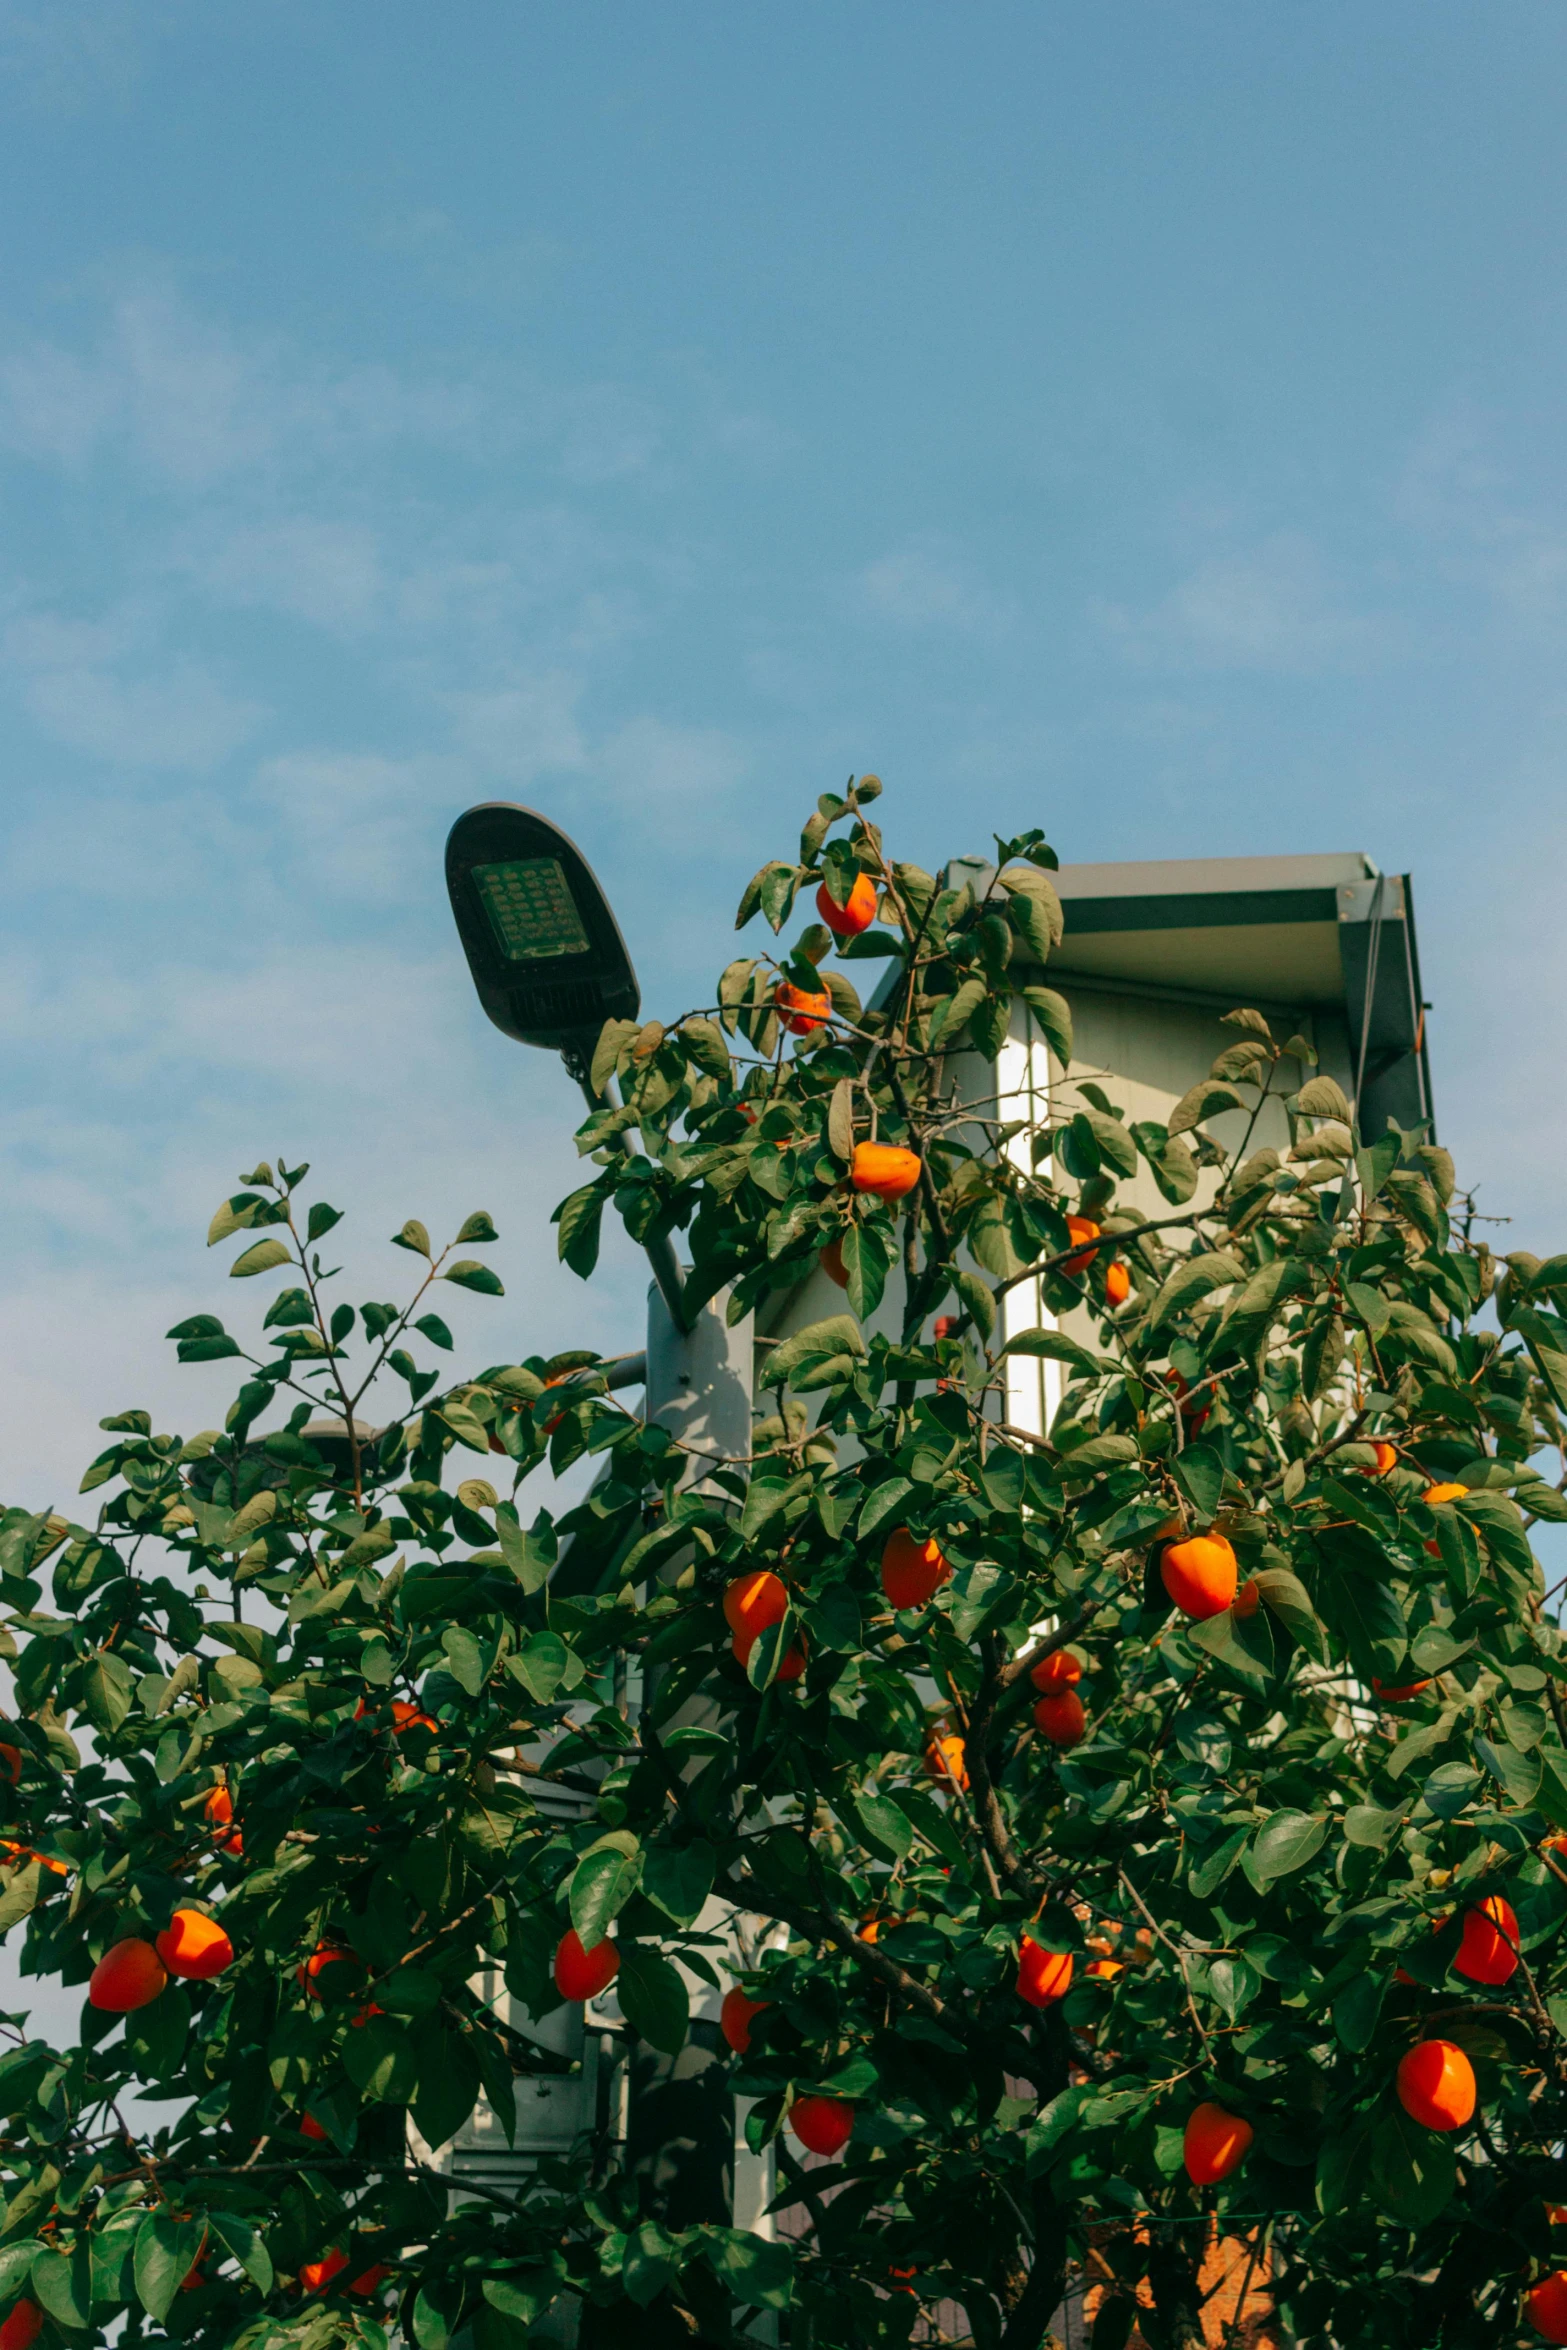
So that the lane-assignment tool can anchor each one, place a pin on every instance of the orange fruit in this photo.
(912, 1570)
(885, 1169)
(195, 1946)
(860, 912)
(1546, 2303)
(1118, 1284)
(1398, 1696)
(1248, 1599)
(583, 1974)
(870, 1931)
(832, 1264)
(752, 1602)
(1200, 1575)
(11, 1757)
(309, 1976)
(1043, 1976)
(1436, 2085)
(801, 1010)
(945, 1759)
(1081, 1228)
(128, 1976)
(22, 2326)
(1193, 1414)
(1061, 1719)
(1057, 1671)
(1387, 1459)
(1215, 2143)
(736, 2017)
(823, 2125)
(316, 2273)
(1105, 1968)
(309, 2127)
(1489, 1950)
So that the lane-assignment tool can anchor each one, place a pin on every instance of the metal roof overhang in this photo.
(1313, 933)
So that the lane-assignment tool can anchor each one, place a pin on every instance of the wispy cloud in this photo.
(104, 688)
(1276, 605)
(926, 585)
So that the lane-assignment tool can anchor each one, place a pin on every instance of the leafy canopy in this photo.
(332, 1682)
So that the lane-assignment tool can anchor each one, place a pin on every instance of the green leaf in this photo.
(379, 2058)
(165, 2251)
(884, 1825)
(1320, 1097)
(818, 1355)
(246, 2245)
(465, 1657)
(1200, 1474)
(1286, 1842)
(260, 1257)
(602, 1882)
(1053, 1346)
(678, 1878)
(652, 1997)
(322, 1219)
(1194, 1277)
(1205, 1100)
(580, 1217)
(1413, 2172)
(63, 2284)
(755, 2269)
(449, 2081)
(951, 1014)
(468, 1273)
(865, 1260)
(235, 1215)
(529, 1556)
(414, 1237)
(1054, 1015)
(431, 1326)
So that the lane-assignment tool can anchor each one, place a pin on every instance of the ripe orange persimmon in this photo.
(317, 2273)
(195, 1946)
(1546, 2303)
(912, 1570)
(129, 1975)
(1433, 1497)
(802, 1010)
(1489, 1950)
(309, 2127)
(1398, 1696)
(1200, 1575)
(884, 1168)
(832, 1264)
(326, 1954)
(219, 1809)
(1057, 1671)
(1043, 1976)
(752, 1602)
(1118, 1284)
(1061, 1718)
(736, 2017)
(823, 2125)
(945, 1758)
(860, 912)
(1081, 1228)
(1387, 1459)
(792, 1664)
(583, 1974)
(1106, 1968)
(1248, 1599)
(22, 2326)
(1436, 2085)
(1215, 2143)
(870, 1931)
(11, 1759)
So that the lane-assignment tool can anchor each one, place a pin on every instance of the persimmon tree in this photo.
(1138, 1828)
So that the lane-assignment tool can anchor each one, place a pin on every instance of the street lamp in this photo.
(551, 967)
(546, 954)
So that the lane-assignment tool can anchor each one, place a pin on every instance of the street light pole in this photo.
(550, 966)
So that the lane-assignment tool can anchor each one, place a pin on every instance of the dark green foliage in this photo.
(1258, 1864)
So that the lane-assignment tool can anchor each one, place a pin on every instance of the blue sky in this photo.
(1146, 422)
